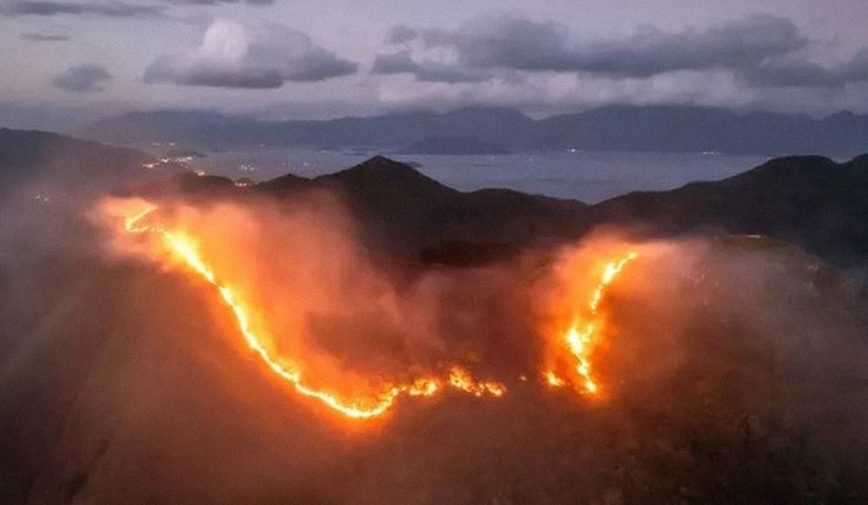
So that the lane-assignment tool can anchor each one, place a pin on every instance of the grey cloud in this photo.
(44, 37)
(83, 78)
(801, 73)
(108, 8)
(318, 64)
(233, 55)
(525, 45)
(215, 2)
(521, 44)
(167, 69)
(54, 8)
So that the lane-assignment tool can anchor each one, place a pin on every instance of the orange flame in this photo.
(582, 334)
(184, 248)
(461, 379)
(553, 380)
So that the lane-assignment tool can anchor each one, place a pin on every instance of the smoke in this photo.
(731, 369)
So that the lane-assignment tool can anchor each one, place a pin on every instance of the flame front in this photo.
(184, 248)
(584, 332)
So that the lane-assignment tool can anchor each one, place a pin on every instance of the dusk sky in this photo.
(324, 58)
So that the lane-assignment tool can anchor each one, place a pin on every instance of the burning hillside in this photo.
(236, 347)
(281, 320)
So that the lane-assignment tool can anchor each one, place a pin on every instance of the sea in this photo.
(590, 177)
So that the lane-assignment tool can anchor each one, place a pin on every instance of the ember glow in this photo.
(183, 247)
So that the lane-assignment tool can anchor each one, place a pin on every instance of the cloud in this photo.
(547, 93)
(513, 43)
(233, 55)
(215, 2)
(108, 8)
(44, 37)
(801, 73)
(83, 78)
(402, 62)
(54, 8)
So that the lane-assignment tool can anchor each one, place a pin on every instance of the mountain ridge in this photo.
(657, 128)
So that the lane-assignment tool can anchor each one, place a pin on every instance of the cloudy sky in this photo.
(322, 58)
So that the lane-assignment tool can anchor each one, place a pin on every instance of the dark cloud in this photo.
(520, 44)
(801, 73)
(44, 37)
(534, 46)
(83, 78)
(166, 69)
(53, 8)
(318, 64)
(233, 55)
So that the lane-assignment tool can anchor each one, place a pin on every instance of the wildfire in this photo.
(584, 332)
(184, 248)
(573, 349)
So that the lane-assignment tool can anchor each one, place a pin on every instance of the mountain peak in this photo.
(386, 176)
(380, 166)
(379, 161)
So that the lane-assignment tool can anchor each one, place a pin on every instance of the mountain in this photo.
(403, 211)
(390, 131)
(741, 378)
(705, 129)
(667, 128)
(66, 163)
(811, 201)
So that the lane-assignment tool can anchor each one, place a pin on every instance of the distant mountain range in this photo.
(671, 129)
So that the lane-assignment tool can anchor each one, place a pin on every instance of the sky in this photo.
(331, 58)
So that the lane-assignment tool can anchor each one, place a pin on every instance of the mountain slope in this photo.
(121, 382)
(406, 211)
(812, 201)
(66, 163)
